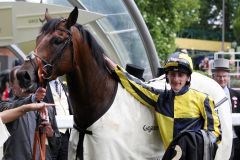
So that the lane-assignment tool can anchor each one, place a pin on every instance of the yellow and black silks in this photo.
(174, 112)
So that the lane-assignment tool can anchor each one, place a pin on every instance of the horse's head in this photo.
(54, 43)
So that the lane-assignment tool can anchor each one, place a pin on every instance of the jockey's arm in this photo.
(143, 93)
(211, 123)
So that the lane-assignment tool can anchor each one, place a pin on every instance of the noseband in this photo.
(48, 66)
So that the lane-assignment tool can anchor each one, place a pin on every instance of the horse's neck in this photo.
(91, 94)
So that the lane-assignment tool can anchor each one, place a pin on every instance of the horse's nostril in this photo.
(26, 77)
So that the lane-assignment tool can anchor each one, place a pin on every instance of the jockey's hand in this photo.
(40, 94)
(110, 63)
(48, 127)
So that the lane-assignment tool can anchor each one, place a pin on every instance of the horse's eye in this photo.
(57, 41)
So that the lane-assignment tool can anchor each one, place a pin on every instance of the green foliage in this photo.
(211, 18)
(165, 18)
(236, 25)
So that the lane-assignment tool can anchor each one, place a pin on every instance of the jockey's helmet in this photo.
(180, 62)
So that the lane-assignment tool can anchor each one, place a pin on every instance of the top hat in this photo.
(135, 70)
(160, 71)
(221, 64)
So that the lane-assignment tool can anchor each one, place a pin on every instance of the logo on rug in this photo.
(150, 128)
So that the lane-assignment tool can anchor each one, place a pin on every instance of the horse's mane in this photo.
(97, 50)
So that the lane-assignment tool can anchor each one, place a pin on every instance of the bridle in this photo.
(47, 66)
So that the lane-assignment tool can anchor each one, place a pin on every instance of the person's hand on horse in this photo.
(40, 94)
(48, 128)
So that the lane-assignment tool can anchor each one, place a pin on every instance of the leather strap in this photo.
(39, 140)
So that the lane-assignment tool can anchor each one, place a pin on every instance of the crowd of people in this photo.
(188, 113)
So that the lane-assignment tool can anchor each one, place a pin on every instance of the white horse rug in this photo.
(127, 131)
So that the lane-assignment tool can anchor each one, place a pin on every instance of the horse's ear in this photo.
(47, 16)
(72, 19)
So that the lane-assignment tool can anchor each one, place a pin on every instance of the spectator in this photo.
(6, 93)
(12, 114)
(204, 65)
(20, 144)
(4, 88)
(220, 73)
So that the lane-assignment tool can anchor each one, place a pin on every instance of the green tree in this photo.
(167, 17)
(236, 25)
(210, 19)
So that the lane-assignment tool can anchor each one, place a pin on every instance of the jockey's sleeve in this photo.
(211, 123)
(145, 94)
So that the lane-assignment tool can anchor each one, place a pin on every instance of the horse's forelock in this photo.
(50, 26)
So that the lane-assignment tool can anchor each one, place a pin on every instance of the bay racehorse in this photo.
(109, 122)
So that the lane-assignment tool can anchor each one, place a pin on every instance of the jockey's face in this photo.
(177, 80)
(221, 77)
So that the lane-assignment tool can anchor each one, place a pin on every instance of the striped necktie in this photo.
(57, 88)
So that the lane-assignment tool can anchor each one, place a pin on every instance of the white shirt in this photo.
(60, 100)
(4, 134)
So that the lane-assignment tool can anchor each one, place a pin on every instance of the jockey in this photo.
(178, 109)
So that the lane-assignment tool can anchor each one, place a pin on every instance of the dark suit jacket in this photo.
(235, 100)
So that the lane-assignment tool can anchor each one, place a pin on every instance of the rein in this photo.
(39, 138)
(40, 132)
(44, 75)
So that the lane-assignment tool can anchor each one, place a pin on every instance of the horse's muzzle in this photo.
(26, 82)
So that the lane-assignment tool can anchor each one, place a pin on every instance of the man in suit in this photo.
(57, 94)
(220, 73)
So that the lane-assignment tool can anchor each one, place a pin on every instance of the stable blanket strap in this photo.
(82, 132)
(39, 138)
